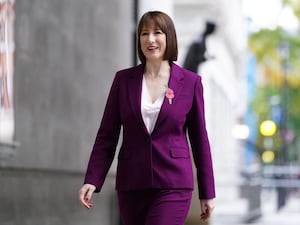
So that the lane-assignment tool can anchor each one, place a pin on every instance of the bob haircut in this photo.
(165, 23)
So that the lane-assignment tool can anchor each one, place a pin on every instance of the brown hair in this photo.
(165, 23)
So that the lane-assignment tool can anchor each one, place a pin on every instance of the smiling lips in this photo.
(151, 48)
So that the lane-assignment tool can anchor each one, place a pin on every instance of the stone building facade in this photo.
(66, 54)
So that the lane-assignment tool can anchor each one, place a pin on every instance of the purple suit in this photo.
(160, 159)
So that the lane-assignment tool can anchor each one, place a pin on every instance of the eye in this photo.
(158, 32)
(144, 33)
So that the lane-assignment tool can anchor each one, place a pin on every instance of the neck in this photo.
(155, 69)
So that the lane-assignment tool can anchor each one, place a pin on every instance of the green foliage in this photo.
(265, 42)
(279, 71)
(295, 5)
(294, 109)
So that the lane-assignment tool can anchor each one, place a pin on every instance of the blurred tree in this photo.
(295, 5)
(277, 74)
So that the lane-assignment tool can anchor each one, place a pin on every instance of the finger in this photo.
(207, 214)
(82, 197)
(90, 204)
(204, 217)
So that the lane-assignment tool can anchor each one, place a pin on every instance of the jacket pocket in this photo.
(179, 153)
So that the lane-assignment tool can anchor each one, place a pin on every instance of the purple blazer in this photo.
(161, 159)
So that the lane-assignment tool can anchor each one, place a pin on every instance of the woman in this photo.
(156, 103)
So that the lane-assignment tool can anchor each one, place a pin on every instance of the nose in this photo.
(151, 38)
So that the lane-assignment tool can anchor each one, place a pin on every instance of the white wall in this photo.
(223, 79)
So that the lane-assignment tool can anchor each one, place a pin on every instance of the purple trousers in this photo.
(154, 207)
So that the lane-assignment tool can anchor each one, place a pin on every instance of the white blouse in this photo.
(150, 110)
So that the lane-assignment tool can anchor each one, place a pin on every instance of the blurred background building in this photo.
(223, 77)
(58, 59)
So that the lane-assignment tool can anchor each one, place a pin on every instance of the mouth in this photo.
(151, 48)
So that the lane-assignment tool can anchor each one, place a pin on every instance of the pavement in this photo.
(288, 215)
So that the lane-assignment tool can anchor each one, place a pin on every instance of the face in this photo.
(153, 43)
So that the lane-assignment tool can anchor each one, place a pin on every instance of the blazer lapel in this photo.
(134, 91)
(175, 83)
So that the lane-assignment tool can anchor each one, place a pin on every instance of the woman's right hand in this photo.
(85, 195)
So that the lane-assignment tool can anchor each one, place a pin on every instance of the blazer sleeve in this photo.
(200, 144)
(104, 148)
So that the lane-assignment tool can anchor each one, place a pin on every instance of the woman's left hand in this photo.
(207, 207)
